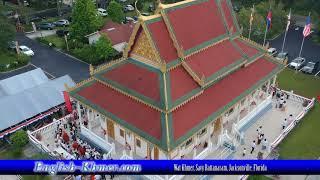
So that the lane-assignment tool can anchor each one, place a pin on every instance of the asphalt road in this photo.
(54, 63)
(310, 51)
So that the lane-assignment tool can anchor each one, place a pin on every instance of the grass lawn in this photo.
(57, 41)
(303, 142)
(6, 58)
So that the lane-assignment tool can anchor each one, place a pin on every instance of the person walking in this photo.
(284, 124)
(253, 146)
(260, 138)
(264, 144)
(244, 152)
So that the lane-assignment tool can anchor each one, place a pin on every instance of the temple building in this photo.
(185, 83)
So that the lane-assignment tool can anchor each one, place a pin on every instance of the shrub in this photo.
(19, 139)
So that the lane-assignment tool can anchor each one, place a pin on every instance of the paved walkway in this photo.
(42, 33)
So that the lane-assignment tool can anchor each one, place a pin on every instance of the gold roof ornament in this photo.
(67, 87)
(91, 70)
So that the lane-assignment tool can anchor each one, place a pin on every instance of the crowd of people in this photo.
(67, 136)
(260, 141)
(281, 98)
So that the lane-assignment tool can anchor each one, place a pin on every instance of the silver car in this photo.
(297, 63)
(310, 67)
(282, 56)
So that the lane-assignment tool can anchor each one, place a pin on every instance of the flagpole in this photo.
(302, 41)
(285, 34)
(265, 35)
(251, 16)
(301, 46)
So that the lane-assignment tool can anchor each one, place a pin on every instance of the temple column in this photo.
(79, 112)
(88, 116)
(268, 86)
(274, 81)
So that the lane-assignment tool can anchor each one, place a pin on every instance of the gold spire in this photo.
(91, 69)
(67, 87)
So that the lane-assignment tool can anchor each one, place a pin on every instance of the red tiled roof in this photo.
(181, 83)
(117, 33)
(214, 58)
(133, 112)
(136, 78)
(228, 16)
(196, 24)
(250, 51)
(163, 41)
(218, 95)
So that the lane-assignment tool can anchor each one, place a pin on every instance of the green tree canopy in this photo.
(259, 21)
(104, 49)
(19, 139)
(84, 20)
(115, 12)
(7, 32)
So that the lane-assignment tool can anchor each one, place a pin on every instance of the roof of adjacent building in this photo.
(117, 33)
(26, 95)
(183, 68)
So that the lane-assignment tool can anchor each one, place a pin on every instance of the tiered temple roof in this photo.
(183, 67)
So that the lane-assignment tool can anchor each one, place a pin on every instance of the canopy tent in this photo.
(26, 95)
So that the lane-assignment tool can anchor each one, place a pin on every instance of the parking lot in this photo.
(311, 50)
(54, 63)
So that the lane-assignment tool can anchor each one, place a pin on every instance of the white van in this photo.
(102, 12)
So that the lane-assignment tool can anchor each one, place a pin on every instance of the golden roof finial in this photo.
(66, 86)
(163, 67)
(91, 69)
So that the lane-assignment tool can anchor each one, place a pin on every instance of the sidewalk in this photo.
(42, 33)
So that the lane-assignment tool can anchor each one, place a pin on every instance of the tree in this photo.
(19, 139)
(104, 48)
(7, 32)
(115, 12)
(84, 20)
(259, 21)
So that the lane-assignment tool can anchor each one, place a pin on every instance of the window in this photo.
(189, 142)
(242, 101)
(122, 133)
(230, 111)
(138, 143)
(202, 132)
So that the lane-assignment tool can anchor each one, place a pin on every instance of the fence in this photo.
(292, 124)
(276, 142)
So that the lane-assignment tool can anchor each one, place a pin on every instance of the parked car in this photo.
(25, 50)
(310, 67)
(62, 22)
(151, 8)
(135, 18)
(282, 56)
(128, 19)
(48, 26)
(297, 63)
(61, 33)
(102, 12)
(145, 14)
(128, 8)
(122, 1)
(272, 51)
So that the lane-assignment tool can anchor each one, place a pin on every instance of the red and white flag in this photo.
(307, 28)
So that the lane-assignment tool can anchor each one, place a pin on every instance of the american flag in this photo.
(269, 17)
(307, 27)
